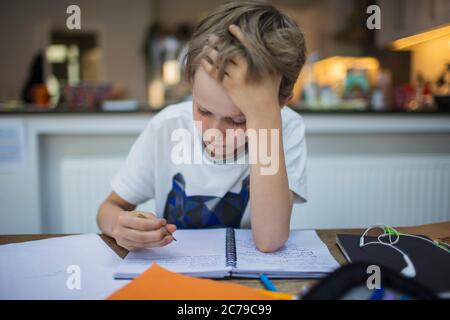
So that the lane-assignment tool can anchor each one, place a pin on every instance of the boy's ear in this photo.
(285, 100)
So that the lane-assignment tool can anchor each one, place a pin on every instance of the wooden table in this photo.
(439, 231)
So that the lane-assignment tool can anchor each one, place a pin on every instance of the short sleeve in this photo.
(135, 180)
(295, 156)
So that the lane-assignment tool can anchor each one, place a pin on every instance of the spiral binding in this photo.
(230, 248)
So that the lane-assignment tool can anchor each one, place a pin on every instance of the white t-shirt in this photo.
(199, 193)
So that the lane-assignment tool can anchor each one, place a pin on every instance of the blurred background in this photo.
(376, 105)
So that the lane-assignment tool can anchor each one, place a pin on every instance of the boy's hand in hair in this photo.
(253, 98)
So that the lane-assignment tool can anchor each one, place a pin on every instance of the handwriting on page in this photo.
(174, 262)
(248, 251)
(290, 256)
(195, 251)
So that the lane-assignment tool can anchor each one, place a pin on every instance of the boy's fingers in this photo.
(134, 245)
(212, 53)
(144, 236)
(171, 228)
(212, 40)
(232, 68)
(237, 32)
(126, 244)
(144, 214)
(144, 224)
(166, 240)
(130, 245)
(210, 69)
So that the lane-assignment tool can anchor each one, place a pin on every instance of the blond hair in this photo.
(276, 44)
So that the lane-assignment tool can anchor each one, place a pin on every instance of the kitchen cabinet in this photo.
(402, 18)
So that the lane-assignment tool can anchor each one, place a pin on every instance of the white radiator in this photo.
(361, 191)
(342, 191)
(85, 183)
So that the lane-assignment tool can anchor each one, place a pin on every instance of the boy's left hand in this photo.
(253, 98)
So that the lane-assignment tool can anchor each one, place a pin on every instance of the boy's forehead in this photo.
(212, 96)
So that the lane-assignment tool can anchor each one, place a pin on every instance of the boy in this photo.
(242, 63)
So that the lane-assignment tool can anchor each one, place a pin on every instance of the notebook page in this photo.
(196, 251)
(303, 252)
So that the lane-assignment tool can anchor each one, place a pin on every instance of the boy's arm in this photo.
(270, 198)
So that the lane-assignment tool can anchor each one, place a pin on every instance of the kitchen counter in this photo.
(5, 112)
(316, 122)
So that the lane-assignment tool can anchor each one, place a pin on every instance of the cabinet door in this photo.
(402, 18)
(432, 14)
(442, 12)
(394, 22)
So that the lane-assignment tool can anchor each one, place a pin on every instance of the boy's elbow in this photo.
(269, 246)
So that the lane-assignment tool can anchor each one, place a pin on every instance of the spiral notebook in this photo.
(219, 253)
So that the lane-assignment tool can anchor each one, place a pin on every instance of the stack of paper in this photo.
(71, 267)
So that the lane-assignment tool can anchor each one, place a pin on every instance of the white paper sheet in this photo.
(39, 269)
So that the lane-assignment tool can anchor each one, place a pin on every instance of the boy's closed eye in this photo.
(203, 111)
(238, 120)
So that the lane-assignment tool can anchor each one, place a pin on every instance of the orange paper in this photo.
(158, 283)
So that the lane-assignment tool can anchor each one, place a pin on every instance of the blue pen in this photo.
(267, 283)
(377, 294)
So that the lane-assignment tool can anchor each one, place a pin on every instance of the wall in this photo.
(310, 16)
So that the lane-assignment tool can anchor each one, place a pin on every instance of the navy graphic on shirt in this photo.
(193, 212)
